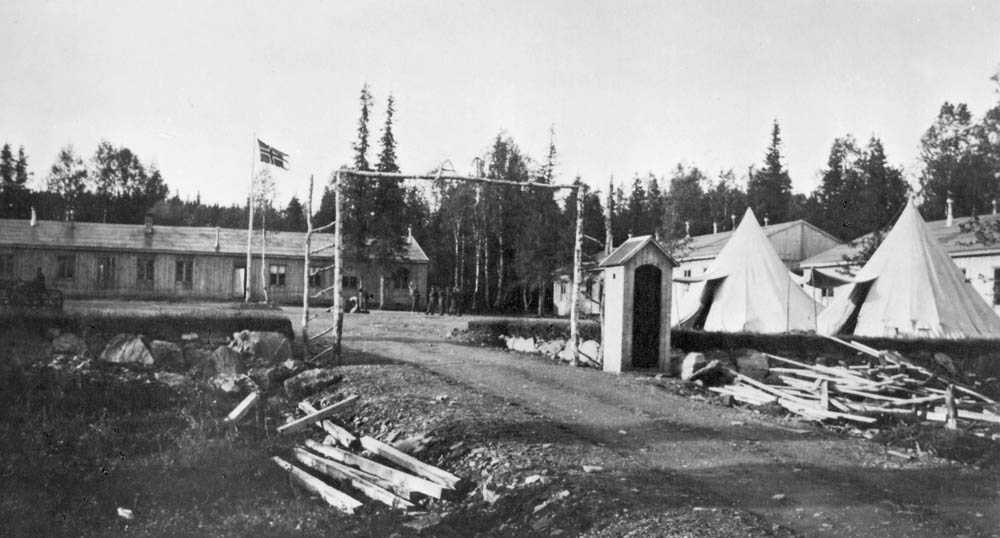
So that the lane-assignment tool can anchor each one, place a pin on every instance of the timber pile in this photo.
(888, 386)
(343, 468)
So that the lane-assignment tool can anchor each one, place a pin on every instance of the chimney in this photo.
(409, 235)
(34, 217)
(687, 228)
(715, 227)
(732, 219)
(70, 218)
(766, 220)
(218, 234)
(149, 224)
(951, 217)
(994, 206)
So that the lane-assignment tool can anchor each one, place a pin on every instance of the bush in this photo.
(539, 329)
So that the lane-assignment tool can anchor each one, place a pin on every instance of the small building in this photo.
(135, 261)
(591, 290)
(793, 241)
(976, 255)
(636, 329)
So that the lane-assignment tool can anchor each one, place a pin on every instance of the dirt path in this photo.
(815, 483)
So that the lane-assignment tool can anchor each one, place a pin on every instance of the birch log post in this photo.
(338, 261)
(574, 322)
(305, 276)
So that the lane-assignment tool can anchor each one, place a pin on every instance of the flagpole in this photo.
(247, 278)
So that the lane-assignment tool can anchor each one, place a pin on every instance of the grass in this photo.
(74, 448)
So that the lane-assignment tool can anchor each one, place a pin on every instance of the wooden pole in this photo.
(574, 329)
(305, 270)
(951, 416)
(247, 280)
(338, 261)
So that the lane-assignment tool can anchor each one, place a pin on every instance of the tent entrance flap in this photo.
(697, 321)
(857, 298)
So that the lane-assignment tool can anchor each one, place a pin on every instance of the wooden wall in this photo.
(212, 276)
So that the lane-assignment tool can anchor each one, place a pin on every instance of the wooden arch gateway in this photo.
(338, 307)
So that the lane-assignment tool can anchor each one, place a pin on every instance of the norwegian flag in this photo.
(271, 155)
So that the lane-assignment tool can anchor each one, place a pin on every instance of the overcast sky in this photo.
(631, 87)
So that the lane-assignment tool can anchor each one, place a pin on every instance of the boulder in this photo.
(267, 377)
(566, 354)
(201, 363)
(754, 365)
(167, 355)
(524, 345)
(226, 361)
(591, 350)
(692, 363)
(262, 347)
(228, 383)
(127, 349)
(172, 380)
(552, 347)
(69, 344)
(310, 381)
(189, 337)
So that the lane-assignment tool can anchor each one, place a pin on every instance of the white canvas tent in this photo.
(747, 289)
(910, 288)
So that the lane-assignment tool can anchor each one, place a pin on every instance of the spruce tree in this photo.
(770, 190)
(6, 167)
(387, 155)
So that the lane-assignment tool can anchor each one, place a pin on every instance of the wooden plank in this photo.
(836, 372)
(410, 463)
(312, 418)
(243, 407)
(334, 497)
(353, 477)
(403, 483)
(339, 434)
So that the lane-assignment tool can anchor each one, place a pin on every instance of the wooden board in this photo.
(334, 497)
(340, 434)
(313, 418)
(410, 463)
(404, 484)
(355, 478)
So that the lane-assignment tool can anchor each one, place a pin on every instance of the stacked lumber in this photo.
(889, 385)
(336, 470)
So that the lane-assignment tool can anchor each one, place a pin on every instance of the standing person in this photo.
(362, 299)
(432, 296)
(413, 296)
(445, 299)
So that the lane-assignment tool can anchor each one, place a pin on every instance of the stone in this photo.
(591, 350)
(172, 380)
(945, 362)
(69, 344)
(267, 377)
(201, 363)
(189, 337)
(167, 355)
(228, 383)
(127, 349)
(552, 347)
(566, 354)
(676, 357)
(753, 365)
(262, 347)
(692, 363)
(592, 468)
(310, 381)
(226, 361)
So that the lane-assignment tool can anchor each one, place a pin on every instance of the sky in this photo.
(630, 87)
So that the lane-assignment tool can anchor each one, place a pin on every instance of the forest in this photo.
(501, 244)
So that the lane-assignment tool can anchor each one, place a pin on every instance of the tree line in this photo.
(499, 245)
